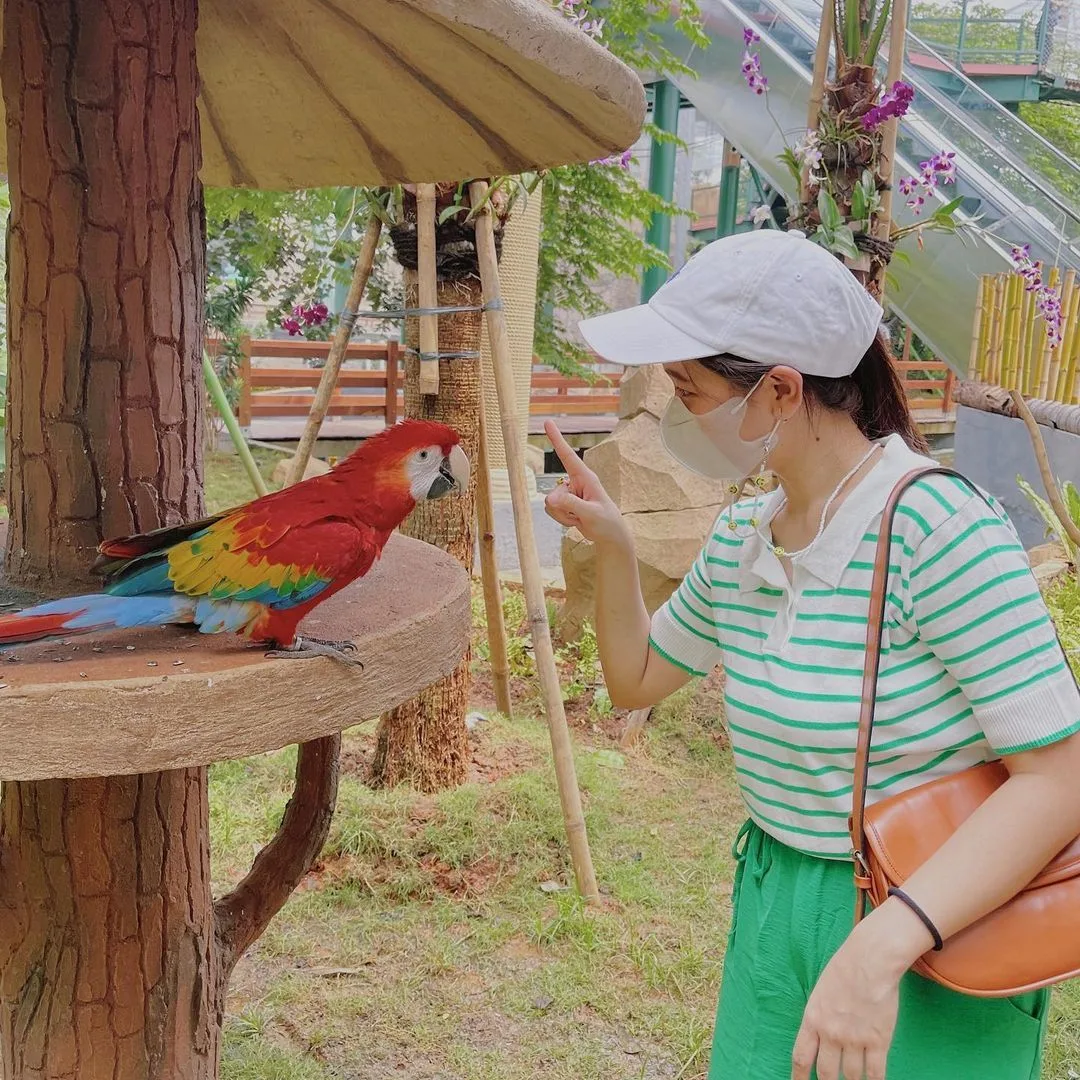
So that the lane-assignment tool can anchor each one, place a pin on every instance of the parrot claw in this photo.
(303, 647)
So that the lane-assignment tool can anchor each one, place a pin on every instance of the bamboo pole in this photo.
(976, 331)
(489, 573)
(565, 773)
(897, 41)
(1011, 369)
(1070, 384)
(1054, 387)
(1027, 331)
(1058, 368)
(221, 402)
(993, 368)
(361, 272)
(1050, 358)
(821, 66)
(428, 289)
(1053, 493)
(984, 329)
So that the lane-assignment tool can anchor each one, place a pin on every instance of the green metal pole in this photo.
(221, 403)
(728, 209)
(661, 180)
(962, 33)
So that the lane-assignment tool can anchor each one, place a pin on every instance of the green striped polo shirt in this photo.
(970, 670)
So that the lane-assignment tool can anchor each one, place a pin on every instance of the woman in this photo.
(778, 362)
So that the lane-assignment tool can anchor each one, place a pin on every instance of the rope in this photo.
(471, 354)
(409, 313)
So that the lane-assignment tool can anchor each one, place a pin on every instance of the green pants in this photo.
(790, 913)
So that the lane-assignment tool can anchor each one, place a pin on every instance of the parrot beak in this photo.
(453, 475)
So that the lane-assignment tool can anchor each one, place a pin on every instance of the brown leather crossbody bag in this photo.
(1030, 942)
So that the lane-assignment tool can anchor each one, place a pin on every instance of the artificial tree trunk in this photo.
(424, 741)
(114, 959)
(106, 251)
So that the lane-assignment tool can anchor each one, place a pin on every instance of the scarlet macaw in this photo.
(259, 569)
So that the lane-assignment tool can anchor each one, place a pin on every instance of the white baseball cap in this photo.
(769, 297)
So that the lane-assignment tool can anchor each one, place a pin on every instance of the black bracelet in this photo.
(905, 899)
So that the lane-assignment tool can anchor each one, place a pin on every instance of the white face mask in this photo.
(711, 443)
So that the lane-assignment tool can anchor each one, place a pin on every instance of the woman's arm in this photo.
(635, 674)
(1003, 846)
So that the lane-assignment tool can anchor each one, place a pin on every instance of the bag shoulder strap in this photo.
(872, 661)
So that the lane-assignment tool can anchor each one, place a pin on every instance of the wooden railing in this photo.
(360, 392)
(270, 390)
(376, 390)
(928, 384)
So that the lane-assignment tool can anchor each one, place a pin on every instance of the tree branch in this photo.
(243, 914)
(1072, 529)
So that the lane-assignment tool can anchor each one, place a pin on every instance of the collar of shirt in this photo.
(836, 546)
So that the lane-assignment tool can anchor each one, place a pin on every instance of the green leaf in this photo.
(852, 31)
(949, 208)
(1054, 527)
(448, 212)
(1069, 494)
(844, 243)
(901, 256)
(872, 46)
(831, 217)
(791, 162)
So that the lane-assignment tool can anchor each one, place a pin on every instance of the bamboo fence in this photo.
(1009, 344)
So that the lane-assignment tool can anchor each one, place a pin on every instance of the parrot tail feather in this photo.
(87, 614)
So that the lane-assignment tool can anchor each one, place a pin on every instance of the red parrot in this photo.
(259, 569)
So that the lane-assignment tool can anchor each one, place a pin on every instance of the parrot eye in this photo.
(423, 455)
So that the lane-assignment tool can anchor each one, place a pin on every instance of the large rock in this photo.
(667, 543)
(315, 467)
(534, 459)
(644, 390)
(642, 477)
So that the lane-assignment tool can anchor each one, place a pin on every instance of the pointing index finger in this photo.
(567, 455)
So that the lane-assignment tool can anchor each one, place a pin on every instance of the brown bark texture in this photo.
(425, 742)
(114, 961)
(106, 930)
(106, 252)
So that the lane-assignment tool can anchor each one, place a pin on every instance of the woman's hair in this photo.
(872, 394)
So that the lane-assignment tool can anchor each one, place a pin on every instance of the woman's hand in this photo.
(850, 1018)
(581, 502)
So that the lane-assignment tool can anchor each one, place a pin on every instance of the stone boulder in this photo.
(642, 477)
(534, 459)
(644, 390)
(667, 543)
(315, 467)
